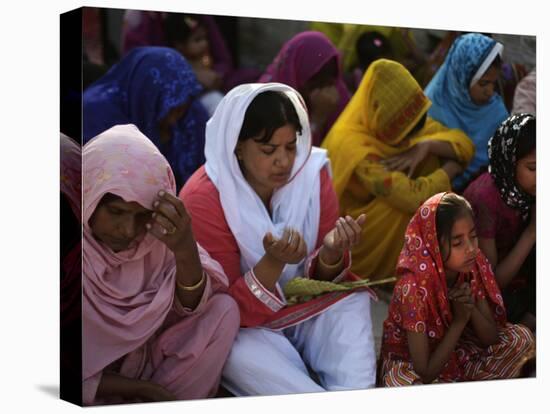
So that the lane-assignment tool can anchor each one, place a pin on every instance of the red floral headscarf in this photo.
(420, 302)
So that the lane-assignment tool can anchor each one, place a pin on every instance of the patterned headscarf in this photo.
(141, 90)
(502, 162)
(421, 256)
(420, 300)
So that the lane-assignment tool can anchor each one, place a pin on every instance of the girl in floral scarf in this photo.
(446, 319)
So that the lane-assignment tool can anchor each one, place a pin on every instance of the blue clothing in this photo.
(142, 89)
(449, 91)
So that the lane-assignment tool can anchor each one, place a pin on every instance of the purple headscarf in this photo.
(301, 58)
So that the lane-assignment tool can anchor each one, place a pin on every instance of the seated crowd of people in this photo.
(237, 224)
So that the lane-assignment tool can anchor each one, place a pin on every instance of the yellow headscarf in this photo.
(386, 107)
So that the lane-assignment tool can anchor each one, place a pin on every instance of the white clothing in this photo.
(337, 345)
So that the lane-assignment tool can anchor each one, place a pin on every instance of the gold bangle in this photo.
(332, 266)
(195, 286)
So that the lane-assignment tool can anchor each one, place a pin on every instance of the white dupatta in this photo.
(295, 205)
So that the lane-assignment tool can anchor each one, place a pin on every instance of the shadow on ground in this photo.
(51, 390)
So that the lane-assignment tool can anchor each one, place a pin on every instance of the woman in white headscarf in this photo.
(263, 205)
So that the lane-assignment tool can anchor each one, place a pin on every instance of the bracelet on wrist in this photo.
(331, 266)
(195, 286)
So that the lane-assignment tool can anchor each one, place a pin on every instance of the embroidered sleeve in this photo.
(256, 303)
(261, 293)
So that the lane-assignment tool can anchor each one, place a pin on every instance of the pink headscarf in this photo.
(126, 295)
(299, 60)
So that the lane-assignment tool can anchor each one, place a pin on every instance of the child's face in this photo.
(463, 246)
(526, 173)
(484, 88)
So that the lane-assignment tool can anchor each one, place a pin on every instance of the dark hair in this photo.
(179, 26)
(324, 77)
(527, 141)
(497, 62)
(419, 125)
(371, 46)
(108, 198)
(268, 112)
(450, 209)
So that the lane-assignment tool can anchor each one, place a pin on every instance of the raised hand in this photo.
(345, 235)
(170, 222)
(290, 248)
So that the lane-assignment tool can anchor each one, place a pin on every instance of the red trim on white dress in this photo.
(261, 293)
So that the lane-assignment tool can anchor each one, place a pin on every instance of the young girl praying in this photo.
(447, 321)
